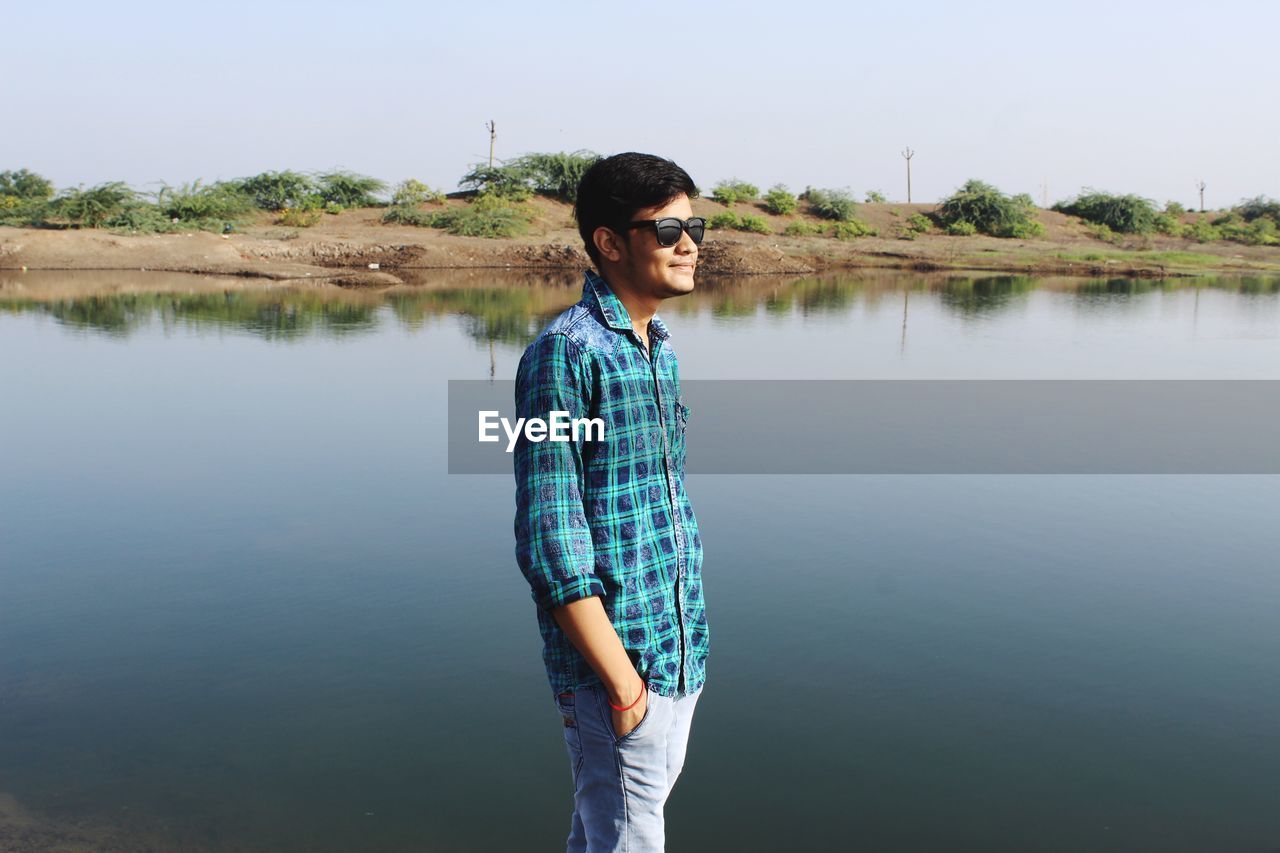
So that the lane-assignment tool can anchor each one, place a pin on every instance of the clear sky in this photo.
(1142, 97)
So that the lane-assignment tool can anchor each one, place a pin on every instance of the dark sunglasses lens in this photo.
(697, 227)
(669, 232)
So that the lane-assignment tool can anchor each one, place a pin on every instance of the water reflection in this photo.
(971, 297)
(243, 607)
(510, 307)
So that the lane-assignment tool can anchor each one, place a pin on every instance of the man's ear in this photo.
(609, 244)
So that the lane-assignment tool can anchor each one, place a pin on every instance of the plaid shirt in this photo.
(610, 518)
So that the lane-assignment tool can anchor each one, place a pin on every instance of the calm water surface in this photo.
(242, 607)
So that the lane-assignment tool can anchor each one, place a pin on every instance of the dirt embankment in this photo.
(341, 249)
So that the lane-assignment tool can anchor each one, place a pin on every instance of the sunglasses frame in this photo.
(684, 228)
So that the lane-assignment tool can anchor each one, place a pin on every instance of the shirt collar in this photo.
(596, 292)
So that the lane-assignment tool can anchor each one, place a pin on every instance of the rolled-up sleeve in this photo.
(553, 540)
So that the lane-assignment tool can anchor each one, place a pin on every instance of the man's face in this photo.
(660, 271)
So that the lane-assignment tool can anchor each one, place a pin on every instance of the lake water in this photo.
(243, 607)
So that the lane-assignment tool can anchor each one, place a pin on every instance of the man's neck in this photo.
(640, 309)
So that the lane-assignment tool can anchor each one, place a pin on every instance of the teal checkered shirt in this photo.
(610, 517)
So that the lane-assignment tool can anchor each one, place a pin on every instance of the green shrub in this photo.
(1202, 231)
(918, 223)
(1260, 232)
(1124, 214)
(16, 211)
(779, 201)
(1172, 208)
(1027, 230)
(349, 189)
(721, 194)
(875, 197)
(988, 210)
(24, 198)
(961, 228)
(94, 207)
(25, 185)
(731, 191)
(204, 205)
(1103, 232)
(117, 207)
(488, 215)
(804, 228)
(140, 217)
(411, 192)
(555, 175)
(277, 190)
(1167, 223)
(852, 228)
(409, 214)
(303, 216)
(831, 204)
(1259, 207)
(509, 182)
(728, 220)
(725, 220)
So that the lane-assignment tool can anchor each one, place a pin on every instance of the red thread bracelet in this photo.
(643, 687)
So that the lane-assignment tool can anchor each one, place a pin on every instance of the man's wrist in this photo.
(626, 691)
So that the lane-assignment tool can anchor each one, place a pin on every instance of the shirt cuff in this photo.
(570, 591)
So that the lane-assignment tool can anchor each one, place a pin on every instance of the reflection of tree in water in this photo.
(114, 315)
(504, 315)
(299, 315)
(742, 297)
(512, 314)
(1111, 295)
(1247, 284)
(273, 315)
(729, 303)
(1258, 286)
(1120, 286)
(977, 297)
(821, 295)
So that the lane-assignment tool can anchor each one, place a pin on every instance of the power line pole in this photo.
(907, 155)
(1200, 186)
(493, 135)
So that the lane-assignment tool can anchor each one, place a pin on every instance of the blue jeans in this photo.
(620, 784)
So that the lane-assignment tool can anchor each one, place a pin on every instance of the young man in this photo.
(605, 533)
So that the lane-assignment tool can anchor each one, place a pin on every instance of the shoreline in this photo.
(340, 250)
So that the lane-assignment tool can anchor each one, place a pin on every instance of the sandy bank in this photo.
(341, 248)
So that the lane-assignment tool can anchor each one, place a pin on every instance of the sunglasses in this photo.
(669, 229)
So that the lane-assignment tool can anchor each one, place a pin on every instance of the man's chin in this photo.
(680, 284)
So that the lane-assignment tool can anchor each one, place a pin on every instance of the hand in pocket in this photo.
(625, 722)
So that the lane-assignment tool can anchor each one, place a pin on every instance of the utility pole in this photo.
(907, 155)
(1200, 186)
(493, 135)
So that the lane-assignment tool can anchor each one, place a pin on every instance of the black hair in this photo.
(613, 189)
